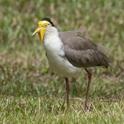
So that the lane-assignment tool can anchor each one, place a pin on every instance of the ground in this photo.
(29, 93)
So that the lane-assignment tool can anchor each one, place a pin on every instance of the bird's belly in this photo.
(55, 54)
(62, 66)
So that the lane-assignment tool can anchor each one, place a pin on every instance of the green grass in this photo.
(47, 110)
(29, 93)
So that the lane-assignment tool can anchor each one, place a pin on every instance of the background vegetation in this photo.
(28, 93)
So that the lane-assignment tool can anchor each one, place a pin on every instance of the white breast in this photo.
(55, 54)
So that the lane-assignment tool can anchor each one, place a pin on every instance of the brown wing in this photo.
(81, 52)
(77, 40)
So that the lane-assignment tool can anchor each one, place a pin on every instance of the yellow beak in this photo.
(41, 31)
(36, 31)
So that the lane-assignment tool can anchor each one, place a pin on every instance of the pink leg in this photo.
(89, 75)
(67, 91)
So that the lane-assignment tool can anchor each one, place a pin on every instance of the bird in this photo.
(70, 52)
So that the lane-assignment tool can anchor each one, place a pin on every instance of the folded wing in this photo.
(81, 52)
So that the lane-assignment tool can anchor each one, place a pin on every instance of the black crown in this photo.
(49, 20)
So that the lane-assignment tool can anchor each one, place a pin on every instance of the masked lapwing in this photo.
(69, 52)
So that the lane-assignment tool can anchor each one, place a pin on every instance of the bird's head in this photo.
(41, 27)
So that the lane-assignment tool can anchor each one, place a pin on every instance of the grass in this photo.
(42, 110)
(29, 93)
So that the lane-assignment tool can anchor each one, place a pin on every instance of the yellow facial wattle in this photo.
(41, 29)
(41, 33)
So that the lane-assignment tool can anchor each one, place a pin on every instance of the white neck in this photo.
(52, 41)
(51, 31)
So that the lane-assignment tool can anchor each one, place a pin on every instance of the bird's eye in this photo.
(46, 25)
